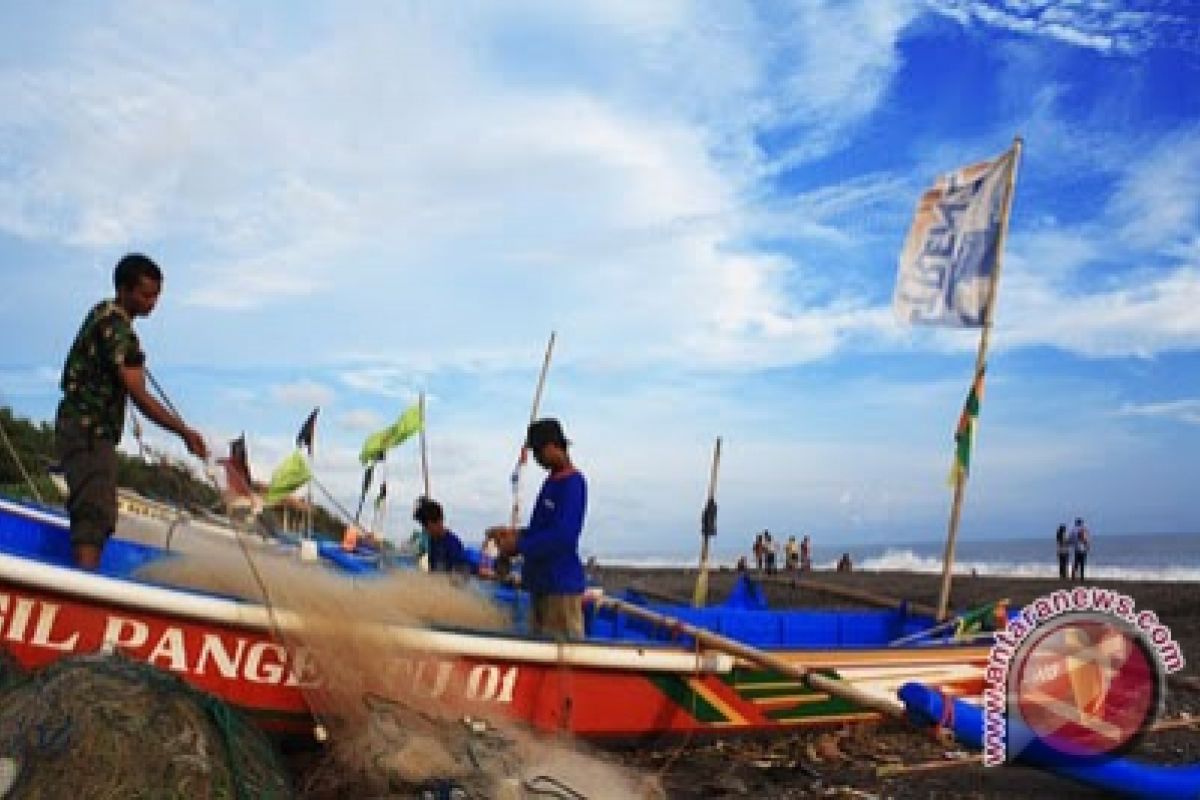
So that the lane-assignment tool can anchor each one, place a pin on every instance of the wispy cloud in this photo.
(1158, 200)
(360, 420)
(393, 185)
(1182, 410)
(1105, 27)
(303, 394)
(1148, 313)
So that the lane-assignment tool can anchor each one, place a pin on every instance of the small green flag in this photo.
(378, 443)
(964, 435)
(982, 619)
(289, 476)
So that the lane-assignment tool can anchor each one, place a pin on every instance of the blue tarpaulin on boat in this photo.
(50, 543)
(746, 594)
(765, 628)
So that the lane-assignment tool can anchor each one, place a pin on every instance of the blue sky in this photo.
(354, 203)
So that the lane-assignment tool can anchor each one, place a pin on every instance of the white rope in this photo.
(21, 467)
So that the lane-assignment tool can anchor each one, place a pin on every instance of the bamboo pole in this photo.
(976, 759)
(700, 596)
(943, 626)
(892, 770)
(657, 594)
(861, 595)
(424, 450)
(980, 363)
(890, 706)
(514, 518)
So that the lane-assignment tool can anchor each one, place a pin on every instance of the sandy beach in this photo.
(849, 762)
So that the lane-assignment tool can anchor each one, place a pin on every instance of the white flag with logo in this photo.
(950, 254)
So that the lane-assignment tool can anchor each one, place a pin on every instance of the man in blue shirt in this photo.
(553, 573)
(446, 552)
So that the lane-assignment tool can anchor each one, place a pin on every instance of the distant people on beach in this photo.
(845, 564)
(759, 552)
(806, 554)
(769, 552)
(1081, 541)
(741, 564)
(792, 554)
(1064, 551)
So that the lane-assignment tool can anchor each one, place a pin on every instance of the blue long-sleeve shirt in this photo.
(446, 553)
(550, 544)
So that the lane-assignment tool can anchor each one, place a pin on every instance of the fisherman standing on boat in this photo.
(105, 366)
(446, 551)
(553, 573)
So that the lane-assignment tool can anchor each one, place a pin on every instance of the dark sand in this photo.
(792, 765)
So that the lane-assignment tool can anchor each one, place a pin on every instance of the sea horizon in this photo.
(1137, 557)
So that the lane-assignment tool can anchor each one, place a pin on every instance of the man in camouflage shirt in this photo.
(105, 365)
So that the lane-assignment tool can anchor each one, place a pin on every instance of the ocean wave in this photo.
(904, 560)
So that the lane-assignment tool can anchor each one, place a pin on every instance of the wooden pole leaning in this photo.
(424, 448)
(889, 706)
(847, 592)
(700, 596)
(960, 478)
(514, 517)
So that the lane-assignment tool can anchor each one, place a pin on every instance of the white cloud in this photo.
(359, 419)
(386, 381)
(1187, 410)
(295, 173)
(832, 62)
(1104, 27)
(304, 393)
(1158, 200)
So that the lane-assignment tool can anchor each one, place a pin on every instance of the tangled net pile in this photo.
(106, 726)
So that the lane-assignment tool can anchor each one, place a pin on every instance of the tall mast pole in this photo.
(960, 478)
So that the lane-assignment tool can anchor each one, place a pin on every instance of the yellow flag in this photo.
(289, 476)
(378, 443)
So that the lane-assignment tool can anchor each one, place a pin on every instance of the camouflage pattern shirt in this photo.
(91, 384)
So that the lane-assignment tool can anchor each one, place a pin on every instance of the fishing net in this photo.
(106, 726)
(10, 672)
(396, 716)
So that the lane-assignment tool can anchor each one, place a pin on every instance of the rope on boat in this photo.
(548, 786)
(20, 466)
(268, 604)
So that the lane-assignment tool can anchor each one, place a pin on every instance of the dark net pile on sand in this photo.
(385, 735)
(105, 726)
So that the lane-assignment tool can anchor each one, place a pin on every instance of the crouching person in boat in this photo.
(105, 366)
(446, 552)
(552, 572)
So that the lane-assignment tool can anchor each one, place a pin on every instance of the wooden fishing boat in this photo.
(629, 679)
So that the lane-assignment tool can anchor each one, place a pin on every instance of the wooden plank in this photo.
(861, 595)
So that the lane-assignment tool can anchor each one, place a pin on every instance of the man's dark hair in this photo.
(132, 268)
(428, 511)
